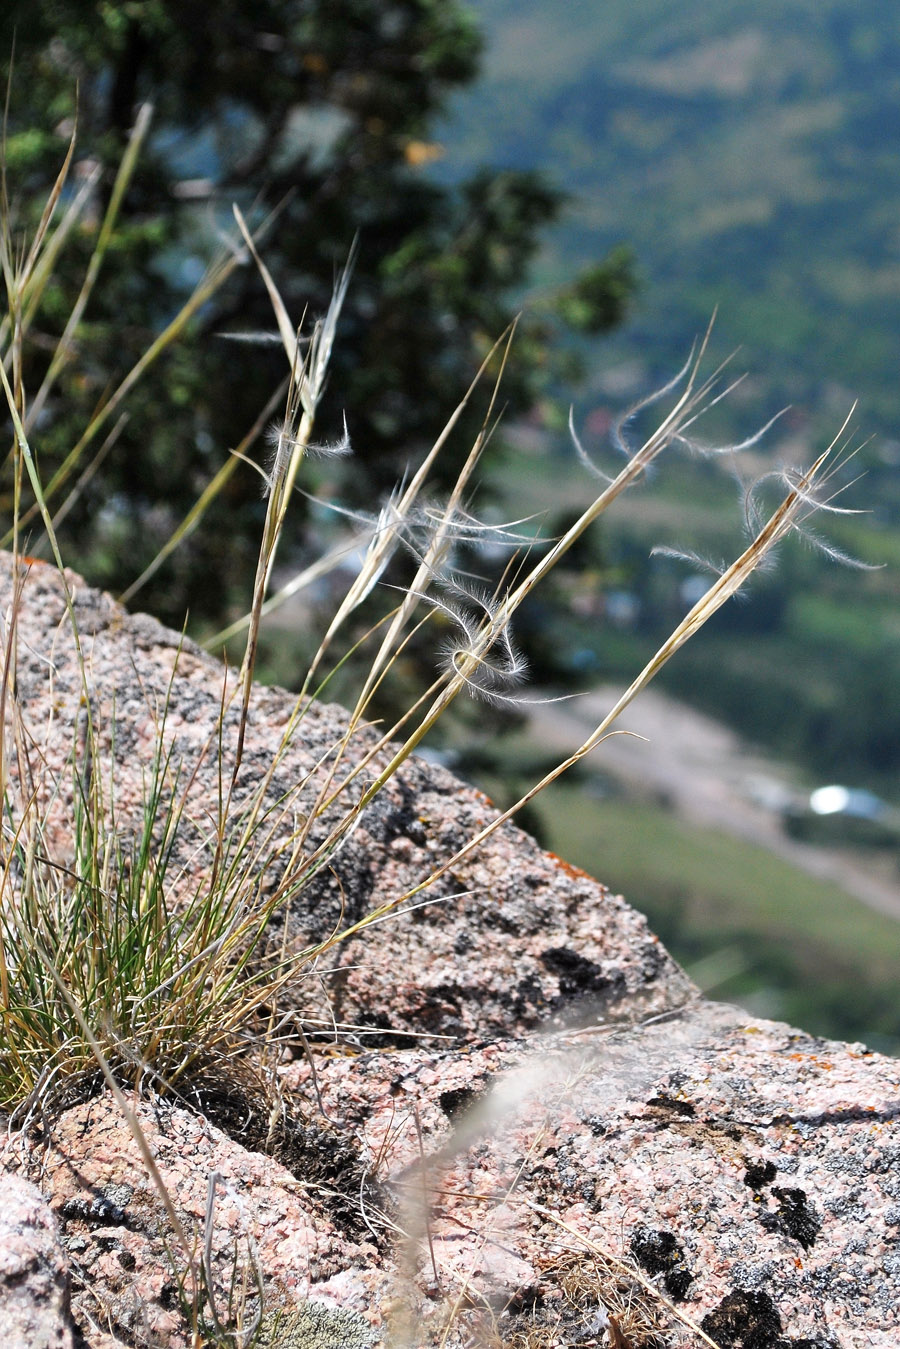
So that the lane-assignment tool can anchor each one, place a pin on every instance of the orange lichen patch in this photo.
(574, 873)
(825, 1064)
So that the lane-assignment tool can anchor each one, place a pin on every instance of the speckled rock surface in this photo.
(565, 947)
(34, 1284)
(748, 1172)
(703, 1179)
(594, 1156)
(246, 1218)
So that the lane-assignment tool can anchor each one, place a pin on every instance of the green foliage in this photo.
(598, 299)
(322, 111)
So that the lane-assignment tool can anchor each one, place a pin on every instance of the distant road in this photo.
(705, 774)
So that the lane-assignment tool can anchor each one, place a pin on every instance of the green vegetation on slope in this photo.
(749, 154)
(808, 952)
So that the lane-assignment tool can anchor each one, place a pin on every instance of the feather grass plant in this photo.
(117, 925)
(117, 961)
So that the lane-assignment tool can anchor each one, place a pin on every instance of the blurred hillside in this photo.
(748, 152)
(749, 155)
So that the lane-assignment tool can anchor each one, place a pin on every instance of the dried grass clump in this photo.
(601, 1304)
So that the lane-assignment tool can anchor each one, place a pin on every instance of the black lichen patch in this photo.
(100, 1210)
(524, 999)
(673, 1103)
(794, 1216)
(759, 1173)
(658, 1252)
(576, 974)
(456, 1102)
(744, 1320)
(748, 1320)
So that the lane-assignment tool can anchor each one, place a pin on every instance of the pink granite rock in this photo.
(704, 1172)
(34, 1286)
(747, 1173)
(248, 1220)
(593, 1156)
(561, 946)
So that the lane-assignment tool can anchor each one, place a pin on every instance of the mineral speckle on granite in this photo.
(34, 1282)
(567, 948)
(592, 1156)
(583, 1145)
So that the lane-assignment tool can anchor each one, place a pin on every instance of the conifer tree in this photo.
(319, 112)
